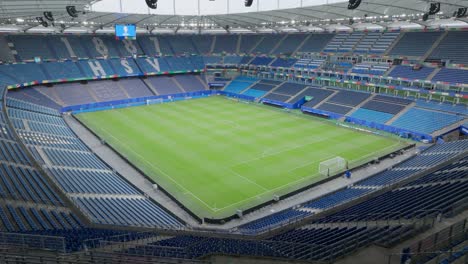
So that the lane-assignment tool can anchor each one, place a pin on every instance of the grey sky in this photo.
(190, 7)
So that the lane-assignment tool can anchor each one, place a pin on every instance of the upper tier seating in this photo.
(290, 44)
(369, 40)
(415, 44)
(408, 72)
(267, 44)
(22, 73)
(181, 44)
(248, 42)
(383, 42)
(344, 42)
(226, 43)
(453, 47)
(202, 43)
(316, 42)
(62, 70)
(29, 46)
(424, 121)
(451, 76)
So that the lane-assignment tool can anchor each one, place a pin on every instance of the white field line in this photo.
(247, 179)
(159, 169)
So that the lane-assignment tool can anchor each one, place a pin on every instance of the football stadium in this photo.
(233, 131)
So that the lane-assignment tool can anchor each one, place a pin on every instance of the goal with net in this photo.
(154, 101)
(333, 166)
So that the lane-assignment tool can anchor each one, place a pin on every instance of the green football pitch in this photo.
(216, 155)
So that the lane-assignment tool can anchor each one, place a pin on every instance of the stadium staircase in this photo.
(176, 82)
(394, 43)
(203, 81)
(302, 44)
(238, 44)
(278, 45)
(254, 47)
(389, 71)
(434, 73)
(294, 96)
(360, 105)
(434, 46)
(402, 112)
(272, 90)
(213, 45)
(326, 99)
(149, 85)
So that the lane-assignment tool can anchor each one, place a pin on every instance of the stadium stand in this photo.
(286, 63)
(372, 116)
(374, 69)
(414, 44)
(248, 42)
(316, 42)
(203, 44)
(318, 95)
(408, 72)
(452, 48)
(261, 61)
(425, 121)
(226, 43)
(40, 203)
(74, 169)
(444, 107)
(289, 44)
(451, 76)
(239, 84)
(348, 98)
(267, 44)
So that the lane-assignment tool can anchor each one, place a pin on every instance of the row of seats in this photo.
(426, 121)
(82, 174)
(126, 211)
(305, 244)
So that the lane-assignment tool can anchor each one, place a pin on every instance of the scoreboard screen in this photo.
(125, 31)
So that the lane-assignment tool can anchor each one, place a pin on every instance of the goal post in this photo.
(333, 166)
(154, 101)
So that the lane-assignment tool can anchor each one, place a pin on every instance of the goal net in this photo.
(332, 166)
(154, 101)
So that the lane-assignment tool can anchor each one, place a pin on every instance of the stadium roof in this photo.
(221, 14)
